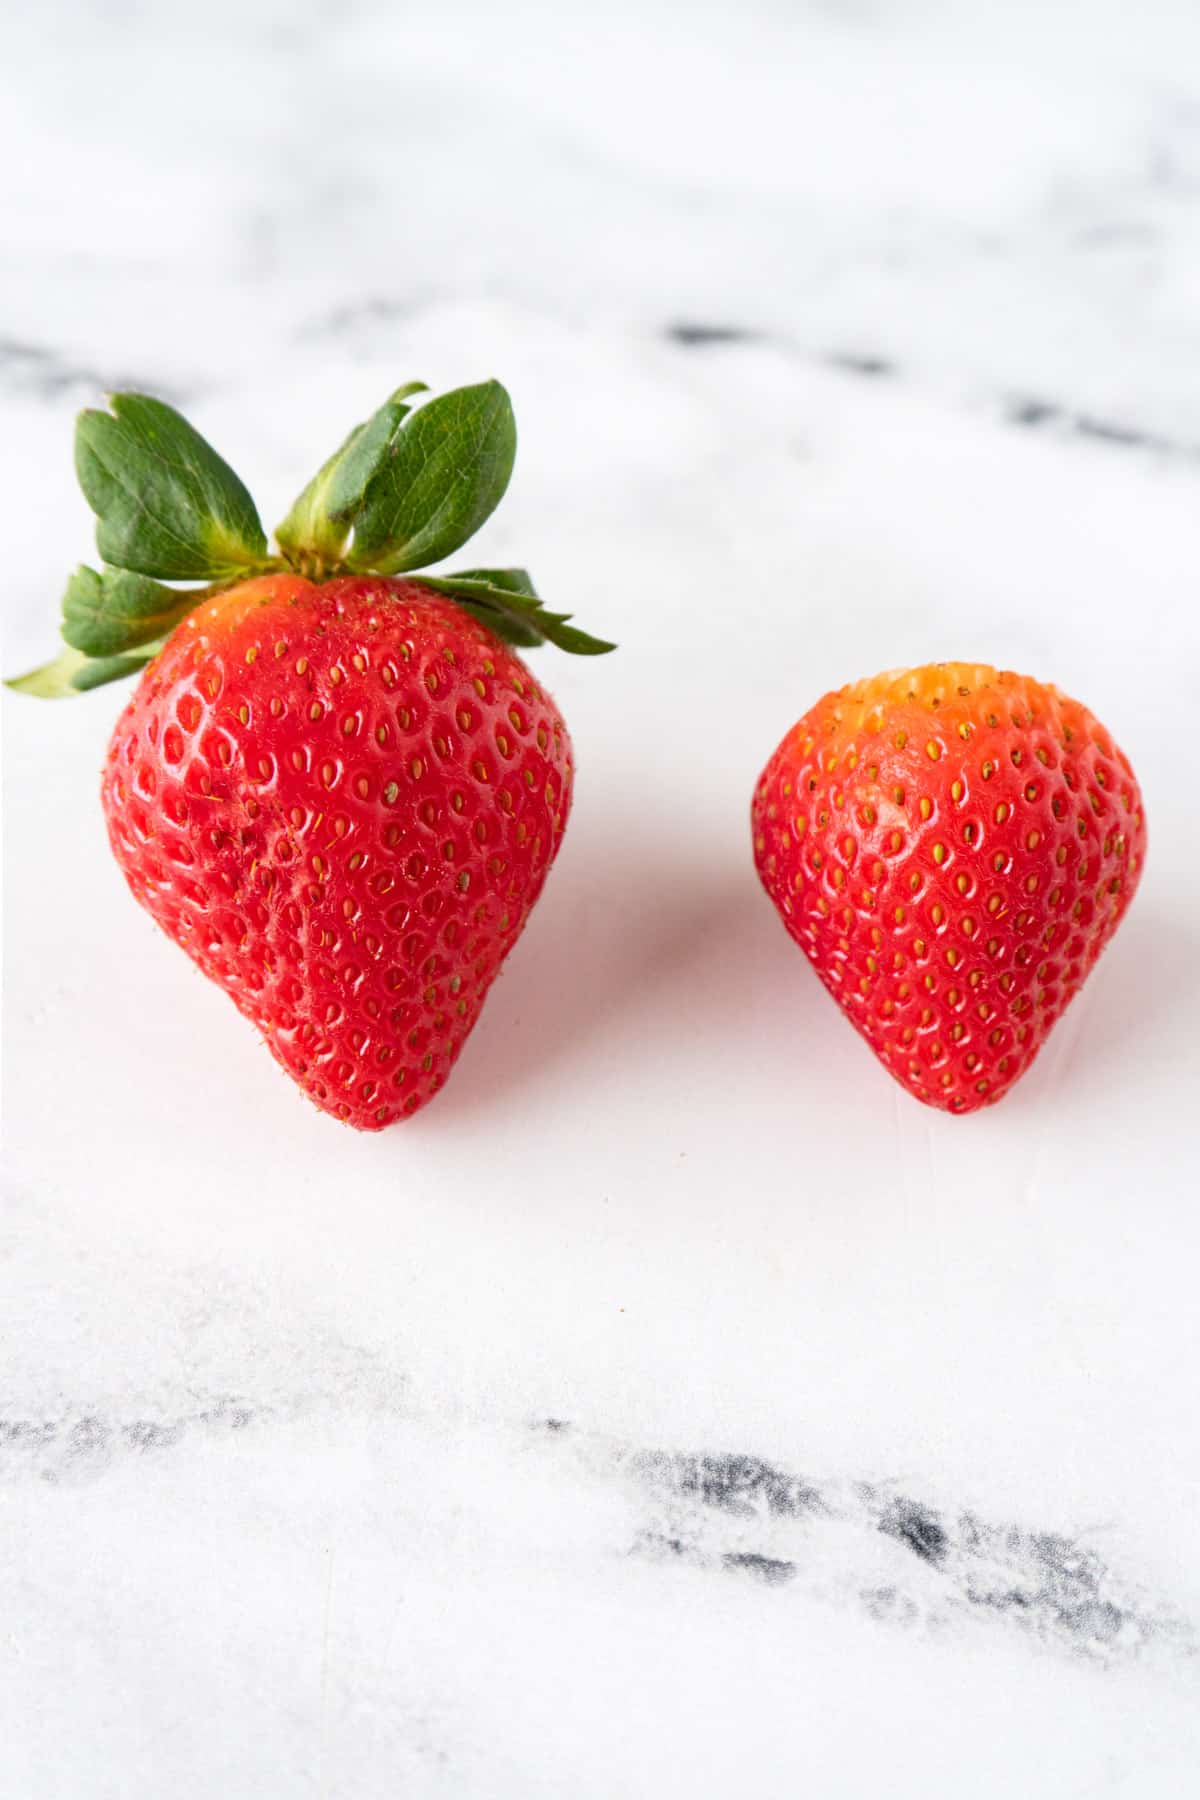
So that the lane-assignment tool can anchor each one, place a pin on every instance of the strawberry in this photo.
(336, 786)
(951, 847)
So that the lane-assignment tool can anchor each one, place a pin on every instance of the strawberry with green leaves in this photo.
(952, 847)
(336, 785)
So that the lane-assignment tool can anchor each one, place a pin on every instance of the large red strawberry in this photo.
(337, 788)
(951, 847)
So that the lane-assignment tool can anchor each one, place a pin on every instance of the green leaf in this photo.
(165, 502)
(98, 671)
(110, 613)
(72, 673)
(319, 522)
(444, 473)
(505, 600)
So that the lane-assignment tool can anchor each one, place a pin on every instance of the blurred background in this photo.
(684, 236)
(998, 201)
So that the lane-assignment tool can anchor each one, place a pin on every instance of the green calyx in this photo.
(408, 487)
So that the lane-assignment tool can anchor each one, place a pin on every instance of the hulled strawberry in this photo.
(951, 847)
(336, 786)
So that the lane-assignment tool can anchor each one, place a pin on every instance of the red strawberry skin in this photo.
(342, 800)
(952, 847)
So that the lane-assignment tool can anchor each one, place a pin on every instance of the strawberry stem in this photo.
(406, 489)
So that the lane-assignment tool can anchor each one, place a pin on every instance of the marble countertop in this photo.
(674, 1407)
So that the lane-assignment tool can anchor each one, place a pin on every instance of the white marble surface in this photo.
(674, 1407)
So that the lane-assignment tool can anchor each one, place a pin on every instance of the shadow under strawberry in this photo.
(609, 969)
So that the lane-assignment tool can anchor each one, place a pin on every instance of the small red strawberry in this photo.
(951, 847)
(336, 787)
